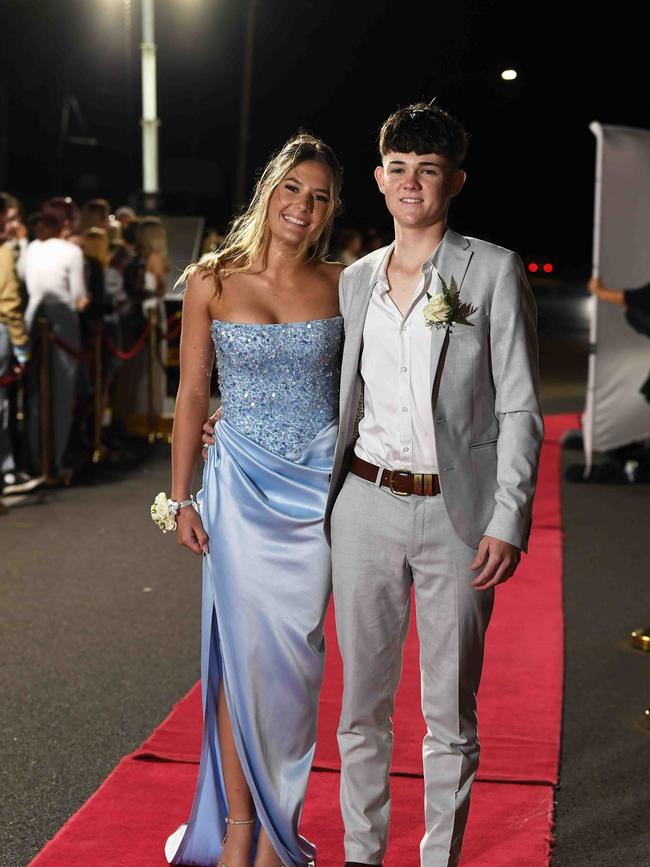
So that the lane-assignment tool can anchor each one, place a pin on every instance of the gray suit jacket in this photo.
(485, 394)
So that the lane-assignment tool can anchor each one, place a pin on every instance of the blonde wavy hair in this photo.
(248, 236)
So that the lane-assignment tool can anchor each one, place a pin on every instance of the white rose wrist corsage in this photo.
(164, 511)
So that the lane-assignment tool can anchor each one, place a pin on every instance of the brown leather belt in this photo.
(401, 482)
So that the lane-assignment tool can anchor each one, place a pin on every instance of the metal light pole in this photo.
(149, 120)
(244, 120)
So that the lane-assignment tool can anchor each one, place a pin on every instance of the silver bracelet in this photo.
(175, 506)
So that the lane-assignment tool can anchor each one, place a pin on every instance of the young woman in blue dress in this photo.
(266, 302)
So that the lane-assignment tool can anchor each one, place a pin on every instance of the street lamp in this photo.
(244, 120)
(149, 120)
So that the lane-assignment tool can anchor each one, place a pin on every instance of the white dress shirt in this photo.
(54, 271)
(397, 428)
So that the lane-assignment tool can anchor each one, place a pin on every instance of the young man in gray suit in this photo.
(433, 479)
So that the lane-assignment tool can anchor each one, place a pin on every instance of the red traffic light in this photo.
(533, 267)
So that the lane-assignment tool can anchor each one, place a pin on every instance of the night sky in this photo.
(336, 69)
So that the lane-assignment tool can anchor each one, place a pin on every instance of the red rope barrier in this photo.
(173, 333)
(173, 318)
(80, 355)
(123, 355)
(127, 355)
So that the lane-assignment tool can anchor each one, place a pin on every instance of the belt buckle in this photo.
(391, 483)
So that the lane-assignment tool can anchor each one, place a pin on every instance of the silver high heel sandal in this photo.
(230, 821)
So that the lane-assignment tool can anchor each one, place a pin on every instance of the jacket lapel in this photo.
(451, 260)
(356, 319)
(438, 338)
(452, 257)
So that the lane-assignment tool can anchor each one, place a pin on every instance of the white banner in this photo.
(619, 363)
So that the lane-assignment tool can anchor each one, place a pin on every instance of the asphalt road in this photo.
(99, 616)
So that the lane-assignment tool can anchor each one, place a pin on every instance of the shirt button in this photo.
(405, 409)
(405, 449)
(404, 369)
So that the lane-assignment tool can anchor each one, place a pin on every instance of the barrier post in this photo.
(99, 400)
(45, 407)
(152, 415)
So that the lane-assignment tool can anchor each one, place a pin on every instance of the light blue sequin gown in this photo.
(266, 580)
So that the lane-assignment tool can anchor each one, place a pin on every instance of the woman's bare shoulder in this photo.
(201, 285)
(331, 270)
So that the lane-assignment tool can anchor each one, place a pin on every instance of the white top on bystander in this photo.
(53, 271)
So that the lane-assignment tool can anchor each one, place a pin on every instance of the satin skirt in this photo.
(266, 585)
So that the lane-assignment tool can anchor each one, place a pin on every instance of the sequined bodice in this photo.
(279, 383)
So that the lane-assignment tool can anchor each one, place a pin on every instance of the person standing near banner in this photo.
(637, 311)
(634, 300)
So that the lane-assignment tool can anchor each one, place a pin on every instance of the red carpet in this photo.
(126, 822)
(519, 714)
(522, 684)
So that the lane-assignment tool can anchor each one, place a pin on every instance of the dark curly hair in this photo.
(424, 128)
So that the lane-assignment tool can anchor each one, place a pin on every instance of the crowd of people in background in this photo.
(86, 271)
(350, 243)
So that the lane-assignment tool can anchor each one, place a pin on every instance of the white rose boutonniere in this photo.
(446, 308)
(437, 310)
(161, 515)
